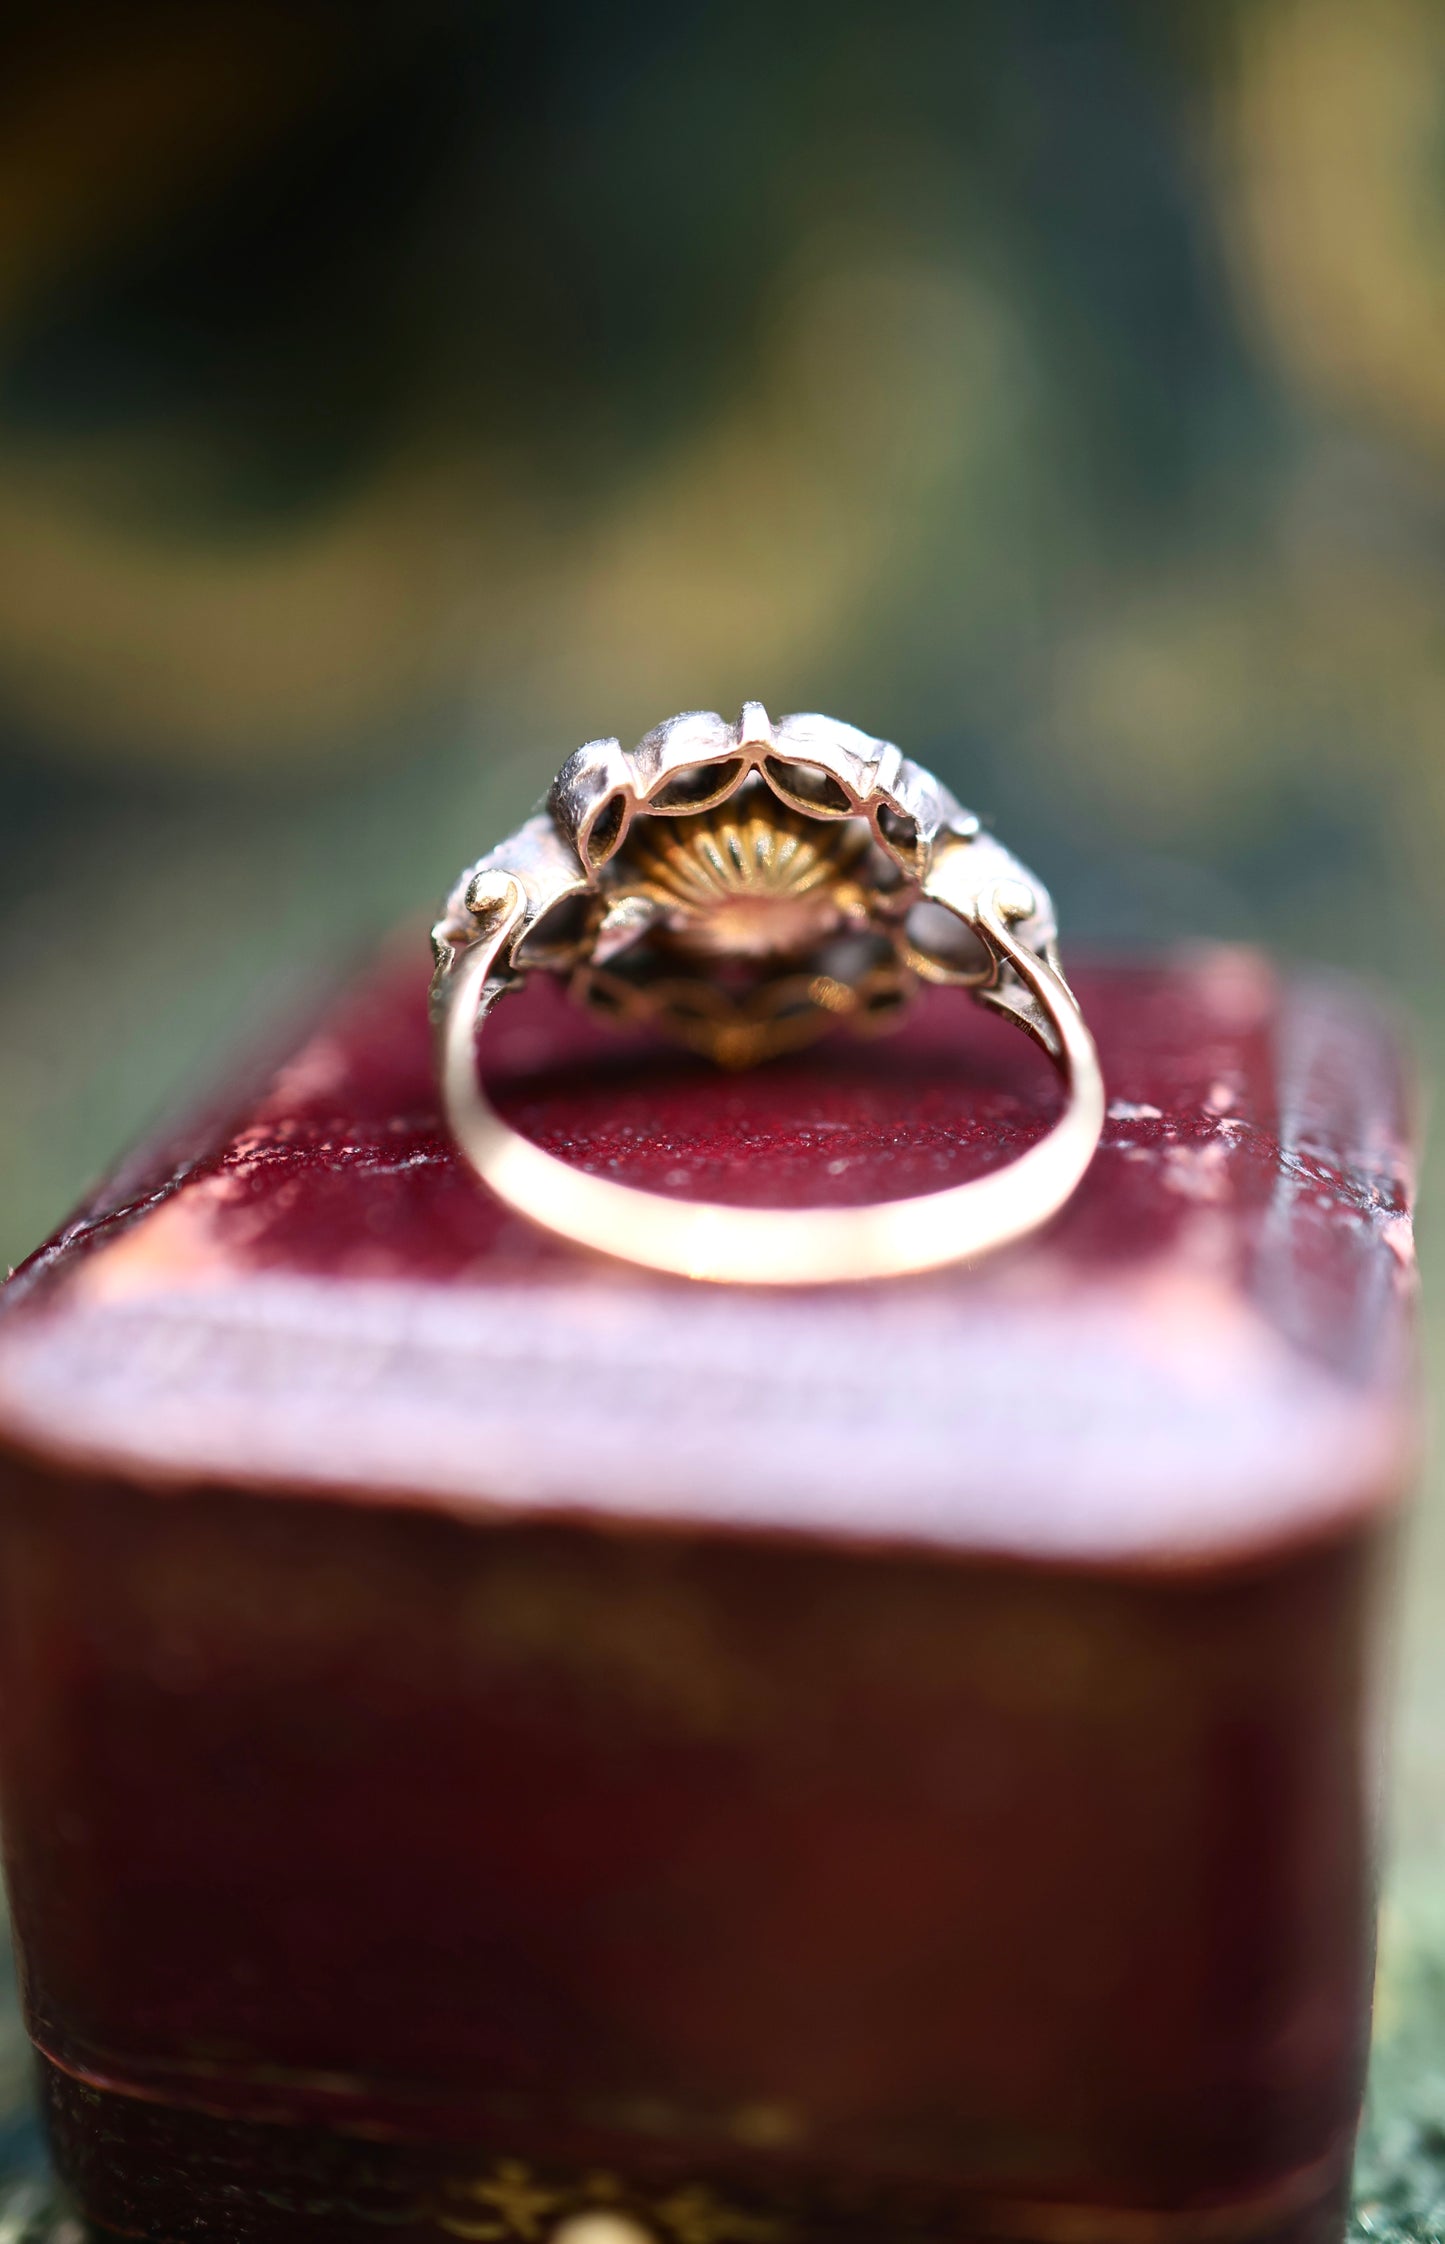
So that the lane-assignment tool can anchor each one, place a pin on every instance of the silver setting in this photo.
(601, 892)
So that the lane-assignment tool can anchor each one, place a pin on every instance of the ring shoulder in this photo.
(982, 882)
(544, 865)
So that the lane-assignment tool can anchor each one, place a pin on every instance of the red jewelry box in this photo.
(490, 1737)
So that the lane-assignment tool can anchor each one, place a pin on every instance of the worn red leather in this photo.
(487, 1734)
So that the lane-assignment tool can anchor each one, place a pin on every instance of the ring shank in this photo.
(704, 1239)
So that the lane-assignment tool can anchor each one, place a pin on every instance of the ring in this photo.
(742, 887)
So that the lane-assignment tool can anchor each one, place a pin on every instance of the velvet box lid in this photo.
(491, 1738)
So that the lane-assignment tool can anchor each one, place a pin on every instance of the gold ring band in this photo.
(566, 893)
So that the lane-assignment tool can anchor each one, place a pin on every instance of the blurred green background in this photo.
(393, 395)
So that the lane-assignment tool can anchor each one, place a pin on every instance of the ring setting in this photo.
(743, 888)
